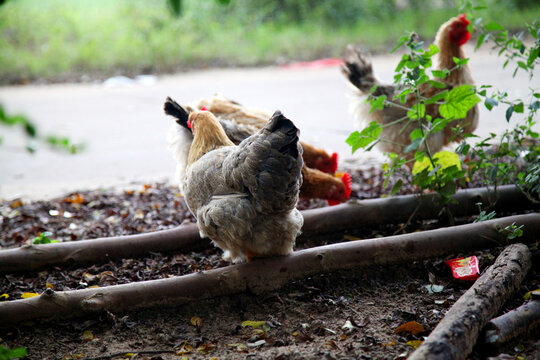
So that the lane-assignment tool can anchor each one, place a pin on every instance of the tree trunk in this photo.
(523, 322)
(329, 219)
(264, 275)
(456, 335)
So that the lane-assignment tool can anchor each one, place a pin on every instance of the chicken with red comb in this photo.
(396, 134)
(318, 166)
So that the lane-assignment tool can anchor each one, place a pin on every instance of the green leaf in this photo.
(397, 186)
(377, 103)
(518, 108)
(441, 74)
(175, 6)
(459, 101)
(415, 134)
(444, 159)
(415, 144)
(30, 129)
(17, 353)
(493, 26)
(418, 110)
(480, 40)
(490, 103)
(509, 112)
(437, 84)
(362, 139)
(440, 96)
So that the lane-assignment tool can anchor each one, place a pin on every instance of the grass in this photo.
(60, 40)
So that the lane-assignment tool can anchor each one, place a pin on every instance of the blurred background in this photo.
(90, 76)
(60, 40)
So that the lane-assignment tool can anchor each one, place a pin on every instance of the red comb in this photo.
(189, 123)
(333, 202)
(463, 18)
(204, 108)
(346, 180)
(334, 162)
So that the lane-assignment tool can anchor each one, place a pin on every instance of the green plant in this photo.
(30, 130)
(442, 171)
(43, 238)
(17, 353)
(434, 171)
(512, 231)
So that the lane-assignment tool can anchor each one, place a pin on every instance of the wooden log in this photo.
(32, 257)
(455, 336)
(269, 274)
(523, 322)
(317, 221)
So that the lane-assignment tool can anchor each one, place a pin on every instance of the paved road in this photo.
(124, 127)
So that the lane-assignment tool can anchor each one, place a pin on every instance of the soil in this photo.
(342, 315)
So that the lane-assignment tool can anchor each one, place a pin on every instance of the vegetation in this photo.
(33, 135)
(59, 40)
(494, 158)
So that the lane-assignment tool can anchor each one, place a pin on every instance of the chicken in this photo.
(241, 125)
(242, 121)
(244, 196)
(395, 135)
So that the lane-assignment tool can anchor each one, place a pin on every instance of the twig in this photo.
(123, 353)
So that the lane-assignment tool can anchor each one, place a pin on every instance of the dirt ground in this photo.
(343, 315)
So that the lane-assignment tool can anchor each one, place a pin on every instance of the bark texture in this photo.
(317, 221)
(264, 275)
(456, 335)
(523, 322)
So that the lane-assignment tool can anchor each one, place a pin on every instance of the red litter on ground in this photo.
(464, 268)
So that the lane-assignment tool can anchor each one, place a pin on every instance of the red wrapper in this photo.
(464, 268)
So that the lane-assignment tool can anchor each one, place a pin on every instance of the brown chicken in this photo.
(395, 135)
(240, 123)
(244, 121)
(244, 196)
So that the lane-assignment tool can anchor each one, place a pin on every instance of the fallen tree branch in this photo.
(264, 275)
(520, 323)
(455, 336)
(329, 219)
(397, 209)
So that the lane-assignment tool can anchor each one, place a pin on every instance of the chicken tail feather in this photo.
(174, 109)
(359, 71)
(279, 123)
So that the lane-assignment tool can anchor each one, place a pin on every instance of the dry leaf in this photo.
(332, 344)
(238, 347)
(16, 203)
(196, 321)
(412, 327)
(528, 295)
(184, 349)
(74, 199)
(253, 324)
(4, 297)
(206, 348)
(87, 336)
(415, 343)
(49, 285)
(28, 295)
(390, 344)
